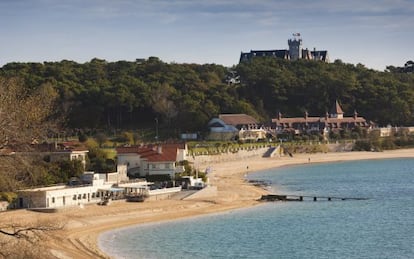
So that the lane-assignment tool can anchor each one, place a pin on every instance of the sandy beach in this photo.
(82, 226)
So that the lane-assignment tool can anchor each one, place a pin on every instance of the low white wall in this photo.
(162, 194)
(3, 205)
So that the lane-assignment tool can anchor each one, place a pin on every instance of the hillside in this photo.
(183, 97)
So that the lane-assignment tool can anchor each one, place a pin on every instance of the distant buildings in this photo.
(236, 126)
(407, 68)
(332, 121)
(294, 52)
(244, 127)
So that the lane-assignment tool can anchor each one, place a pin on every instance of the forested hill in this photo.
(101, 94)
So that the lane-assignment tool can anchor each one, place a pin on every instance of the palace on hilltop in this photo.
(295, 52)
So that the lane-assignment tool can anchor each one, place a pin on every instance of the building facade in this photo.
(332, 121)
(235, 126)
(295, 52)
(158, 159)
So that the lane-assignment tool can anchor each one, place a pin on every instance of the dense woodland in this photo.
(39, 100)
(184, 97)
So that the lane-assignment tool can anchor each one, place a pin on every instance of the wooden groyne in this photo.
(278, 197)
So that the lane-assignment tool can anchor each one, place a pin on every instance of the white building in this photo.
(74, 154)
(235, 126)
(57, 196)
(153, 160)
(62, 195)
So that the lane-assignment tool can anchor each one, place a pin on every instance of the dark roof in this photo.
(237, 119)
(322, 54)
(279, 53)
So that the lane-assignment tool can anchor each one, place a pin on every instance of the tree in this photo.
(128, 95)
(100, 162)
(101, 138)
(25, 115)
(161, 101)
(69, 169)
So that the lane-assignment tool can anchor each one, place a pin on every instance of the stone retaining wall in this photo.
(229, 156)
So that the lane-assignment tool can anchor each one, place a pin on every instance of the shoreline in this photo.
(79, 238)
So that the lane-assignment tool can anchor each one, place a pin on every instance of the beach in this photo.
(82, 226)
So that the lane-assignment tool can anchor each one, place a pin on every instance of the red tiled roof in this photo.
(297, 120)
(174, 145)
(148, 148)
(331, 122)
(132, 150)
(166, 153)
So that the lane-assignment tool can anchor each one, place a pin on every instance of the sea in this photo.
(379, 226)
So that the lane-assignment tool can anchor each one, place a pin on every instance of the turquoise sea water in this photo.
(379, 227)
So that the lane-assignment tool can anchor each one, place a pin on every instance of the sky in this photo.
(375, 33)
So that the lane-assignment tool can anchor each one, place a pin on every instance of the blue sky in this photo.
(375, 33)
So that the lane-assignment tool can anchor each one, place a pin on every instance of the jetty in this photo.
(288, 197)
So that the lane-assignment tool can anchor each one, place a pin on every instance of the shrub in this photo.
(388, 143)
(8, 196)
(82, 137)
(362, 145)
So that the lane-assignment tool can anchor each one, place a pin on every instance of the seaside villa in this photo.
(161, 159)
(235, 126)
